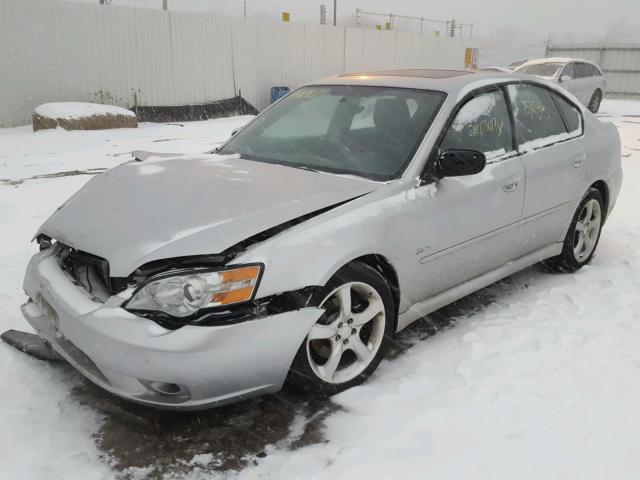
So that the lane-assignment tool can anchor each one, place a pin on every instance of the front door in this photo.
(469, 225)
(569, 80)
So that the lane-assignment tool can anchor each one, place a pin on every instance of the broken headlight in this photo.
(182, 293)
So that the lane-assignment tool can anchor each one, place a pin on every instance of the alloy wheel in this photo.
(587, 230)
(345, 340)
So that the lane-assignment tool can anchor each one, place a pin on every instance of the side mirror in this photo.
(457, 163)
(565, 78)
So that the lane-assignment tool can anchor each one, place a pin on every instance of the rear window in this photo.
(538, 121)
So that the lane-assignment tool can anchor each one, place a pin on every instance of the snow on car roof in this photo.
(413, 72)
(540, 61)
(450, 81)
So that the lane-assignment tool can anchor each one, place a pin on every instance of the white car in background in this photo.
(496, 69)
(582, 78)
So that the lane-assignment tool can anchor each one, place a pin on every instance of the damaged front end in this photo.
(177, 364)
(92, 274)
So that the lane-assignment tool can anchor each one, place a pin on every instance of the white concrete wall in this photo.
(62, 51)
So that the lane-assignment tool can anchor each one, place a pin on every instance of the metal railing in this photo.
(391, 21)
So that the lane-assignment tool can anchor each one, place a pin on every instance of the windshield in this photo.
(360, 130)
(541, 69)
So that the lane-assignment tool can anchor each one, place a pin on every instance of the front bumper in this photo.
(193, 367)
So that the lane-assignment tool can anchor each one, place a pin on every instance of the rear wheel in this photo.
(594, 103)
(583, 235)
(348, 342)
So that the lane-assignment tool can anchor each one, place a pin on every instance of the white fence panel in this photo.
(65, 51)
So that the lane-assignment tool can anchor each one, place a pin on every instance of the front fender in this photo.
(309, 254)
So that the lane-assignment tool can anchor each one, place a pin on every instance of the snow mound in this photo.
(77, 110)
(82, 116)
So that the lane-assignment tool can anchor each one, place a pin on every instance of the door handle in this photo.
(511, 183)
(578, 160)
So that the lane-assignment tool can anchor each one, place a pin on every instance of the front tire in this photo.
(583, 235)
(594, 103)
(348, 342)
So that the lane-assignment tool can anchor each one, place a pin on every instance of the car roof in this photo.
(452, 82)
(540, 61)
(411, 72)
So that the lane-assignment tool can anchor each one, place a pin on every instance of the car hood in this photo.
(164, 208)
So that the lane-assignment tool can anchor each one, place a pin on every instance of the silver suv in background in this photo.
(582, 78)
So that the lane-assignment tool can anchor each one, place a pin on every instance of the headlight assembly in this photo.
(183, 293)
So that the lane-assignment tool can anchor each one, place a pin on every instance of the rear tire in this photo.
(583, 235)
(594, 103)
(348, 341)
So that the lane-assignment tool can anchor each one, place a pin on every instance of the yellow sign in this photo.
(378, 27)
(468, 57)
(285, 16)
(387, 26)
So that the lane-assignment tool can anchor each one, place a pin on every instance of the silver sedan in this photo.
(289, 256)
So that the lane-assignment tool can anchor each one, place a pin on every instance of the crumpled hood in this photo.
(163, 208)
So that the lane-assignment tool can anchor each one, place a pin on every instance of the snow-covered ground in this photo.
(540, 379)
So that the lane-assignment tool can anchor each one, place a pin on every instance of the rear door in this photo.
(595, 80)
(549, 137)
(469, 225)
(598, 79)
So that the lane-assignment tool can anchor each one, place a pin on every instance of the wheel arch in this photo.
(602, 187)
(382, 265)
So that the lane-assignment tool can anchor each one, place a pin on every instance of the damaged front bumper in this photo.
(193, 367)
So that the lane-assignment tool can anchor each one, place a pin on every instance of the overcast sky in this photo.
(580, 17)
(619, 20)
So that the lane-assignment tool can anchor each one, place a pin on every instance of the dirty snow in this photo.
(74, 110)
(539, 381)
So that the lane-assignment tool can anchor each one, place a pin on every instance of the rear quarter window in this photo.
(570, 113)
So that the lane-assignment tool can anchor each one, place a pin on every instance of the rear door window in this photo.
(537, 119)
(594, 70)
(481, 124)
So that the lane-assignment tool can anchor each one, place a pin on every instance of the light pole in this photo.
(335, 9)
